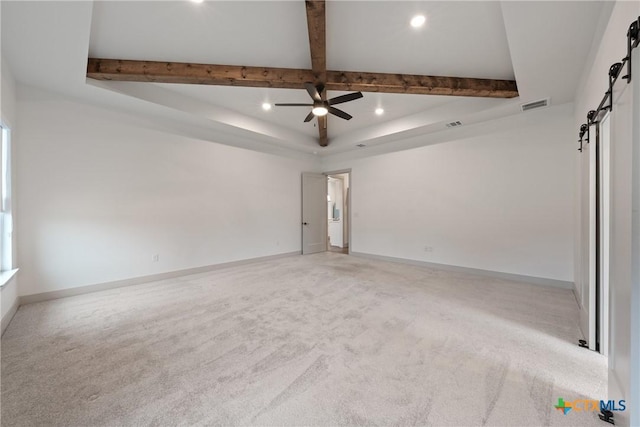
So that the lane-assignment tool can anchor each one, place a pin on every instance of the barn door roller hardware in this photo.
(614, 72)
(584, 129)
(632, 42)
(594, 116)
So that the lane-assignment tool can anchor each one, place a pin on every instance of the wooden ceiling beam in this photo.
(291, 78)
(317, 39)
(420, 85)
(188, 73)
(316, 25)
(323, 139)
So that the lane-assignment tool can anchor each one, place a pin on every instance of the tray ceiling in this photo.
(476, 39)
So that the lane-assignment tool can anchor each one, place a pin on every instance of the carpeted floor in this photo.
(324, 339)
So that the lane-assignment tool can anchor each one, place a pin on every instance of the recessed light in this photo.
(379, 111)
(418, 21)
(266, 106)
(197, 1)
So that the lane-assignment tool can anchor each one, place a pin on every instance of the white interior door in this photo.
(586, 275)
(314, 213)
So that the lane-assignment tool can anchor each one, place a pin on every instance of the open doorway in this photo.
(338, 211)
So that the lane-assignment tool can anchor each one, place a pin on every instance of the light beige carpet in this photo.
(325, 339)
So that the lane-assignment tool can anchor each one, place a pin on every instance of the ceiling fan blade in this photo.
(293, 105)
(345, 98)
(309, 117)
(313, 91)
(340, 113)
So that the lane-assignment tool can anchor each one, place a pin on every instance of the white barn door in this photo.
(587, 271)
(624, 285)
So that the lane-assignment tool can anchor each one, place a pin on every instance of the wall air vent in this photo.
(454, 124)
(535, 104)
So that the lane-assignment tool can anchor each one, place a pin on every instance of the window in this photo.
(6, 219)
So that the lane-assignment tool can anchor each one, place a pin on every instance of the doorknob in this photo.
(305, 223)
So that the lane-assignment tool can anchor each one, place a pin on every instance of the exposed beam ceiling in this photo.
(291, 78)
(276, 35)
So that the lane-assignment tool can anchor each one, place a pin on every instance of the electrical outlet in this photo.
(155, 258)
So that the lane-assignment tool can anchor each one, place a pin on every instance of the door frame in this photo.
(350, 204)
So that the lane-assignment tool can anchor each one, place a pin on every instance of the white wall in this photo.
(611, 48)
(9, 291)
(100, 193)
(499, 201)
(7, 94)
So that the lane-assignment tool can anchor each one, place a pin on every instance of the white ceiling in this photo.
(258, 33)
(478, 39)
(460, 39)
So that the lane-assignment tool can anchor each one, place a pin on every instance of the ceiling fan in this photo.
(320, 107)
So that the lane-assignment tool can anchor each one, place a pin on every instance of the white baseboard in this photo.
(542, 281)
(63, 293)
(9, 316)
(45, 296)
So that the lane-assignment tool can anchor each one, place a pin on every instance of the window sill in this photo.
(6, 276)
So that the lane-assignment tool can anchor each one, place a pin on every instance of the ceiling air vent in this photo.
(360, 145)
(454, 124)
(535, 104)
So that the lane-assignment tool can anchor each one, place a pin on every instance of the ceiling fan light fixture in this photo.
(320, 110)
(418, 21)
